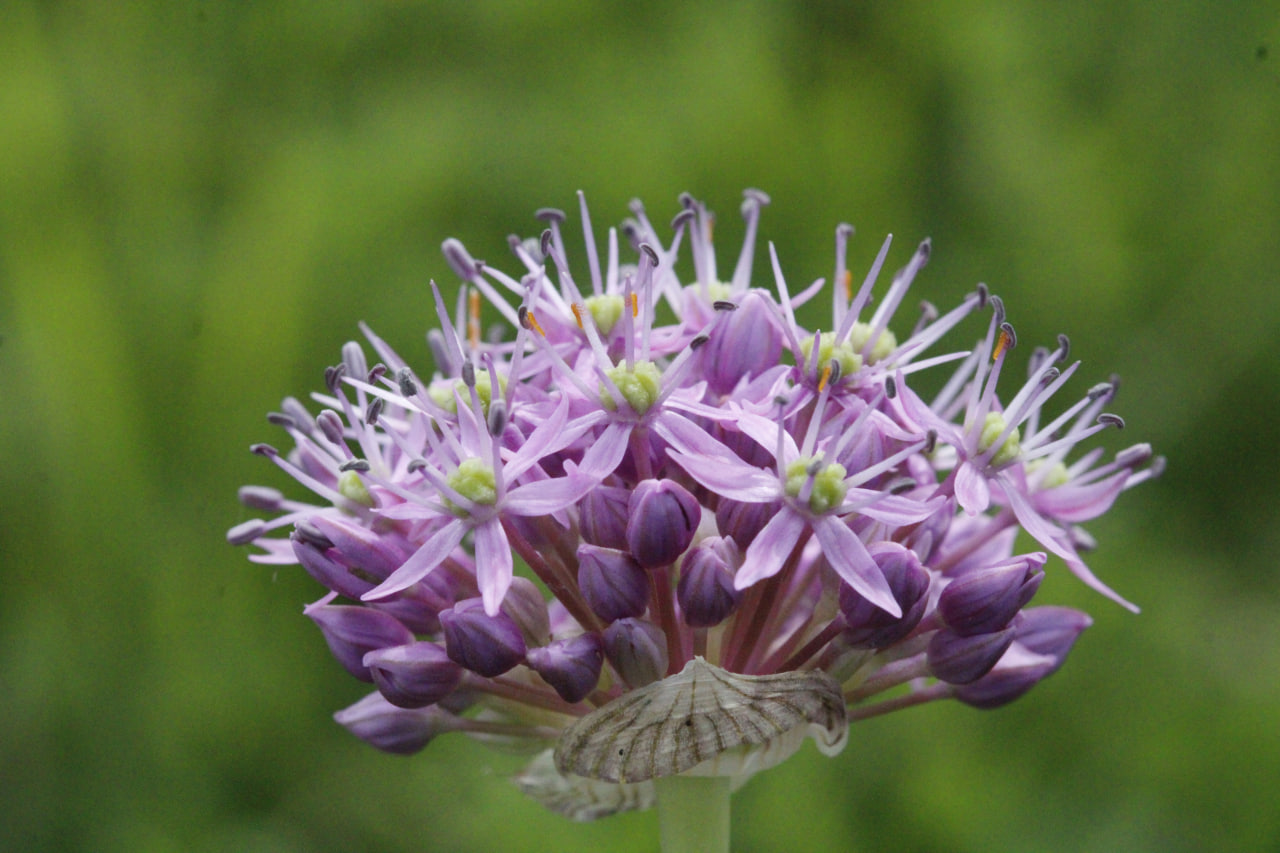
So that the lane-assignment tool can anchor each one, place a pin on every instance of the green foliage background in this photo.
(198, 200)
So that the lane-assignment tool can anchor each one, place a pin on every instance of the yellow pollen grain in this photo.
(533, 323)
(1001, 344)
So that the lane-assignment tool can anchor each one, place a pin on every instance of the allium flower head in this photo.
(656, 548)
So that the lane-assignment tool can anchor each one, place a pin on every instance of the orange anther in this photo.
(473, 319)
(823, 377)
(635, 306)
(533, 323)
(577, 315)
(1002, 343)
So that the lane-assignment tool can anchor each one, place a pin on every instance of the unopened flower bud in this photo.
(612, 582)
(487, 645)
(602, 517)
(368, 554)
(401, 731)
(872, 627)
(706, 592)
(321, 564)
(572, 666)
(744, 343)
(352, 632)
(985, 600)
(663, 516)
(528, 609)
(413, 675)
(1043, 637)
(637, 650)
(744, 521)
(961, 660)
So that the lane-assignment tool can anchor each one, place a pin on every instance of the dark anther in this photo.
(687, 201)
(698, 341)
(984, 295)
(361, 465)
(1102, 389)
(834, 376)
(815, 467)
(377, 372)
(263, 450)
(636, 206)
(374, 410)
(545, 243)
(900, 485)
(1011, 337)
(468, 374)
(281, 420)
(1111, 420)
(330, 424)
(311, 534)
(890, 387)
(417, 465)
(1064, 347)
(930, 440)
(648, 250)
(404, 378)
(724, 305)
(1050, 376)
(523, 316)
(333, 377)
(1132, 457)
(497, 421)
(680, 219)
(997, 307)
(844, 230)
(549, 214)
(924, 250)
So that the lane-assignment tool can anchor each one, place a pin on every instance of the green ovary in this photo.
(828, 484)
(474, 480)
(991, 429)
(639, 386)
(885, 342)
(353, 489)
(845, 355)
(1055, 476)
(442, 394)
(605, 310)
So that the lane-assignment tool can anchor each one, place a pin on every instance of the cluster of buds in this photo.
(713, 514)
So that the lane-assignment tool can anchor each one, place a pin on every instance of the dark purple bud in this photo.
(871, 627)
(322, 564)
(294, 409)
(487, 645)
(401, 731)
(706, 592)
(985, 600)
(1044, 636)
(572, 666)
(352, 632)
(370, 555)
(663, 516)
(744, 343)
(612, 582)
(637, 650)
(961, 660)
(528, 609)
(413, 675)
(744, 521)
(602, 517)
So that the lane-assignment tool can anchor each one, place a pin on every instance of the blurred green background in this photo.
(199, 200)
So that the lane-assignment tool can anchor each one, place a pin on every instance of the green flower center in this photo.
(828, 484)
(885, 342)
(1055, 476)
(844, 354)
(474, 480)
(441, 392)
(353, 489)
(606, 310)
(639, 386)
(991, 429)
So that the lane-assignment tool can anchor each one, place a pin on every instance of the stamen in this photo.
(417, 465)
(823, 377)
(545, 243)
(577, 315)
(360, 465)
(984, 295)
(330, 424)
(263, 450)
(682, 218)
(1064, 347)
(1007, 340)
(404, 378)
(698, 341)
(376, 372)
(311, 534)
(724, 305)
(473, 319)
(533, 323)
(1108, 419)
(523, 315)
(333, 377)
(890, 387)
(497, 417)
(549, 214)
(833, 371)
(468, 374)
(374, 410)
(635, 305)
(280, 420)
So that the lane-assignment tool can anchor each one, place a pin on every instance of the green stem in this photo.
(693, 813)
